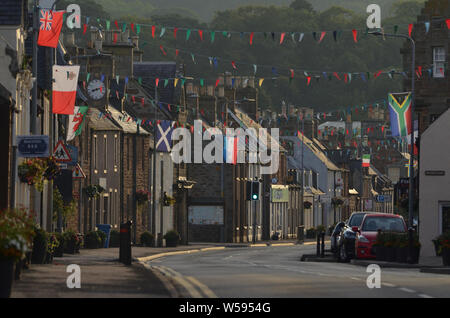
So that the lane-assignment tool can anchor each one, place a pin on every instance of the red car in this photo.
(367, 232)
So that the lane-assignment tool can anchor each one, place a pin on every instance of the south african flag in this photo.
(400, 112)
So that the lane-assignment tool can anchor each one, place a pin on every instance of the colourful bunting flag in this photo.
(355, 35)
(251, 38)
(410, 27)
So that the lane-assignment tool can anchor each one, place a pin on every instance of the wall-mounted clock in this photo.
(96, 90)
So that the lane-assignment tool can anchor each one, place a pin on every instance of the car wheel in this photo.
(343, 256)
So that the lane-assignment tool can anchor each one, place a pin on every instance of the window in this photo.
(438, 62)
(105, 151)
(95, 152)
(445, 218)
(314, 180)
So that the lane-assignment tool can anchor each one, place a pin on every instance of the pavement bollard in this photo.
(318, 244)
(125, 243)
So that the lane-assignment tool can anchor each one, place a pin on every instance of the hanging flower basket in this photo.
(142, 196)
(93, 191)
(169, 200)
(30, 171)
(337, 201)
(52, 168)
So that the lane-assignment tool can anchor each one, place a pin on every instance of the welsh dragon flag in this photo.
(76, 122)
(400, 114)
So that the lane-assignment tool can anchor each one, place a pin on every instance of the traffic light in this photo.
(252, 190)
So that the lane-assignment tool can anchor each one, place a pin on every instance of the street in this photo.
(276, 272)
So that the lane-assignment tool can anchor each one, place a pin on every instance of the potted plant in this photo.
(40, 243)
(172, 238)
(402, 246)
(59, 250)
(92, 240)
(78, 242)
(147, 239)
(16, 237)
(70, 239)
(114, 239)
(102, 236)
(53, 244)
(390, 246)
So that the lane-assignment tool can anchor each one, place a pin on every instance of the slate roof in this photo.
(13, 12)
(149, 71)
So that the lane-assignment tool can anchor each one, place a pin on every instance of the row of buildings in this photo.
(320, 179)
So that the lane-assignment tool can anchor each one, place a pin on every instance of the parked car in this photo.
(371, 224)
(345, 240)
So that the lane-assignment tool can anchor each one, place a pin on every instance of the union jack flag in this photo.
(46, 20)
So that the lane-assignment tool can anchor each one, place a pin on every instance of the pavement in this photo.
(102, 276)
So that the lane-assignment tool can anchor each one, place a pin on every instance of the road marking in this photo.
(172, 290)
(258, 245)
(283, 244)
(424, 296)
(388, 285)
(355, 278)
(212, 248)
(407, 290)
(190, 289)
(152, 257)
(208, 292)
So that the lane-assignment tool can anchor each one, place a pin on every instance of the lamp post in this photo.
(411, 151)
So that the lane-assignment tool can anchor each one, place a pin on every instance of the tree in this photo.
(302, 5)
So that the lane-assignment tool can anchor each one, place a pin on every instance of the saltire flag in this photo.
(366, 160)
(400, 114)
(65, 82)
(76, 122)
(230, 149)
(50, 25)
(164, 131)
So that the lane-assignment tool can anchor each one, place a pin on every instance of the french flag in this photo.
(230, 149)
(65, 81)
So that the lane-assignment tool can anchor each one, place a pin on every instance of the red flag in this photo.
(282, 37)
(64, 88)
(355, 35)
(322, 35)
(200, 33)
(251, 38)
(153, 31)
(234, 65)
(175, 32)
(309, 80)
(410, 27)
(217, 82)
(448, 23)
(50, 27)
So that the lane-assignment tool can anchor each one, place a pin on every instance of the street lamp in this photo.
(411, 152)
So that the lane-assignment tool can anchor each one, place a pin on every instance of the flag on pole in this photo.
(164, 135)
(65, 81)
(400, 114)
(50, 25)
(230, 149)
(76, 122)
(366, 160)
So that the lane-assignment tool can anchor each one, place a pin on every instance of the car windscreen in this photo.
(373, 224)
(356, 219)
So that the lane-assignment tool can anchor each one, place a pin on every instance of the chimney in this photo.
(69, 39)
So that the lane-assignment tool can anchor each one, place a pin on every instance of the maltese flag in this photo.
(65, 82)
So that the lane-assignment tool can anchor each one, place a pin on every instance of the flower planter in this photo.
(446, 256)
(39, 253)
(401, 255)
(48, 258)
(69, 247)
(390, 254)
(437, 247)
(415, 255)
(6, 277)
(380, 253)
(171, 243)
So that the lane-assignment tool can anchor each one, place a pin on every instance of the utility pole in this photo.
(154, 171)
